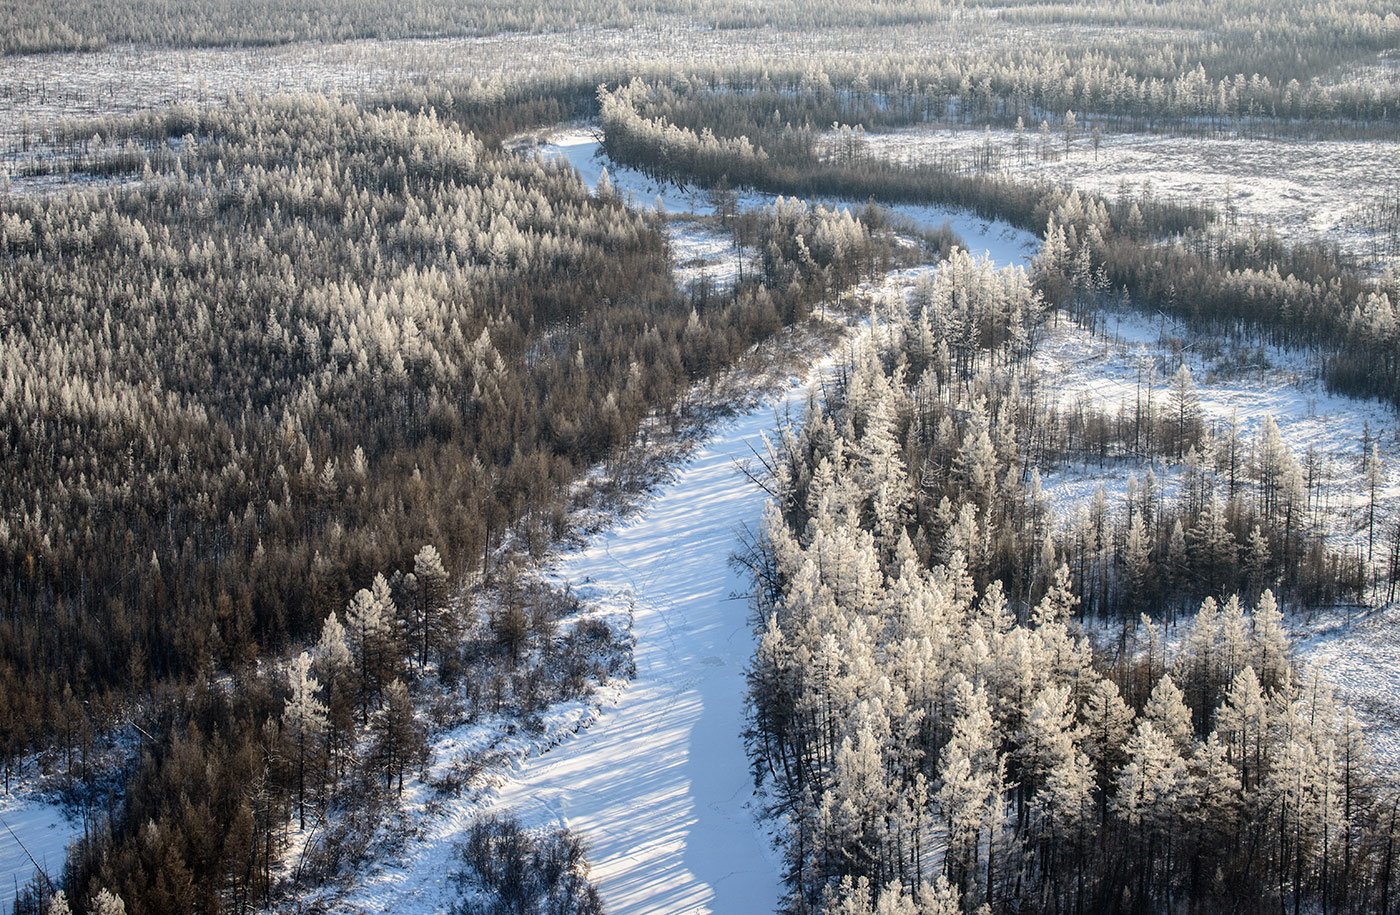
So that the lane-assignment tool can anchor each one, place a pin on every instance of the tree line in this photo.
(1163, 255)
(1192, 66)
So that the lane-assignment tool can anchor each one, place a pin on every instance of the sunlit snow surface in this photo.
(658, 785)
(31, 827)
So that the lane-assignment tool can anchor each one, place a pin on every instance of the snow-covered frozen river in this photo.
(659, 788)
(657, 785)
(581, 148)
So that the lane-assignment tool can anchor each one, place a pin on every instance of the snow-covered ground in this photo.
(32, 832)
(703, 253)
(1103, 371)
(1358, 651)
(660, 788)
(415, 870)
(1306, 189)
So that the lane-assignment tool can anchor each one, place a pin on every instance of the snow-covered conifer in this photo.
(1166, 709)
(303, 724)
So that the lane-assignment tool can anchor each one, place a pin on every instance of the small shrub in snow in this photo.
(508, 870)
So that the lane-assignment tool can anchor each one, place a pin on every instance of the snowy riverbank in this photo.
(655, 779)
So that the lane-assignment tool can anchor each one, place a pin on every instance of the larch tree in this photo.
(1059, 601)
(970, 796)
(369, 622)
(1150, 788)
(1137, 560)
(1107, 723)
(1167, 710)
(1242, 723)
(303, 724)
(398, 740)
(335, 668)
(431, 596)
(1185, 407)
(1373, 472)
(1269, 652)
(105, 902)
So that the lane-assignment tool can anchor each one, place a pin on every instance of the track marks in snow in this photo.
(31, 827)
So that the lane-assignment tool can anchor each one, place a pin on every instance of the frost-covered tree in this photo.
(970, 796)
(1150, 789)
(430, 598)
(369, 623)
(398, 739)
(1186, 409)
(1269, 654)
(105, 902)
(1059, 600)
(303, 724)
(1242, 725)
(1107, 723)
(334, 666)
(1167, 711)
(1373, 473)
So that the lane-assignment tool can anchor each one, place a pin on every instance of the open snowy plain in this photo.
(1331, 190)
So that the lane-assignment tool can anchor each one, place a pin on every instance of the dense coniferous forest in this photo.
(313, 339)
(938, 731)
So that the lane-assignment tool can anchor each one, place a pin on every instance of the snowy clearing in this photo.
(1356, 650)
(660, 787)
(1306, 189)
(704, 254)
(31, 830)
(1075, 366)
